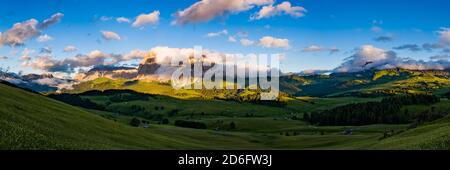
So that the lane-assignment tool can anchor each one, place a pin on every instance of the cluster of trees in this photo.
(427, 116)
(243, 96)
(254, 97)
(125, 97)
(190, 124)
(221, 125)
(135, 122)
(447, 95)
(76, 100)
(387, 111)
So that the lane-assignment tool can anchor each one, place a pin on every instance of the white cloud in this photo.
(376, 29)
(232, 39)
(283, 8)
(44, 38)
(316, 48)
(206, 10)
(272, 42)
(26, 55)
(313, 48)
(22, 31)
(94, 58)
(52, 20)
(109, 35)
(144, 19)
(105, 18)
(370, 57)
(123, 20)
(444, 35)
(19, 33)
(366, 57)
(135, 54)
(247, 42)
(216, 34)
(70, 48)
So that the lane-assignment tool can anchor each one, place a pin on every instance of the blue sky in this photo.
(339, 24)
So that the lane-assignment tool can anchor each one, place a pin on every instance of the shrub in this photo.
(232, 125)
(135, 122)
(165, 121)
(76, 100)
(190, 124)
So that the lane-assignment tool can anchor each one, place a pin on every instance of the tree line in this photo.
(75, 100)
(387, 111)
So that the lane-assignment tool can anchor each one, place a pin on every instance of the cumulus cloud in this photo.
(70, 48)
(123, 20)
(109, 35)
(420, 65)
(444, 35)
(206, 10)
(232, 39)
(44, 38)
(19, 33)
(272, 42)
(55, 18)
(134, 54)
(283, 8)
(23, 31)
(240, 34)
(370, 57)
(166, 55)
(47, 63)
(26, 55)
(247, 42)
(367, 57)
(316, 48)
(94, 58)
(216, 34)
(144, 19)
(410, 47)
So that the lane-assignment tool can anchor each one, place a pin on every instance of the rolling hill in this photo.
(33, 121)
(370, 83)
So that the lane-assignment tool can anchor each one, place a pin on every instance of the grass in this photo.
(33, 121)
(140, 86)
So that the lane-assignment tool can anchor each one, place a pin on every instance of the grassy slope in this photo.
(434, 135)
(392, 81)
(31, 121)
(139, 86)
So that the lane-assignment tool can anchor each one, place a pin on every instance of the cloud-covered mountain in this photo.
(36, 82)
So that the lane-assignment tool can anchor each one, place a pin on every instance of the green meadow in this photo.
(34, 121)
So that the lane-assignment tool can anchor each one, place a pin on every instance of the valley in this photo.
(130, 114)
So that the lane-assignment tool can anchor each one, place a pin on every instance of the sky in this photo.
(311, 34)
